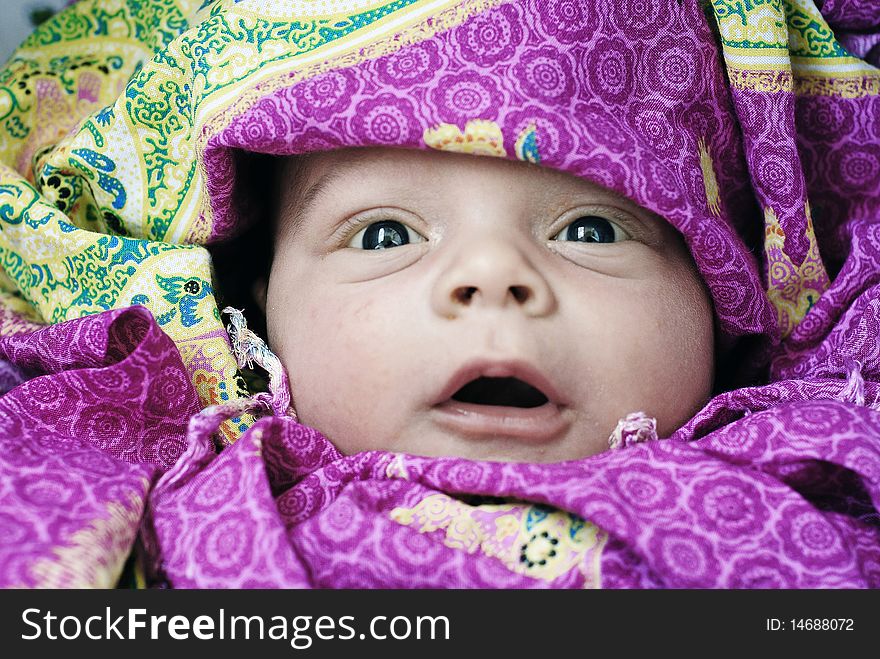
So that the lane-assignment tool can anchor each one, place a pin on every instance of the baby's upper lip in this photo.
(501, 368)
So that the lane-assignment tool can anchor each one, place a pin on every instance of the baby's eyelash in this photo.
(349, 227)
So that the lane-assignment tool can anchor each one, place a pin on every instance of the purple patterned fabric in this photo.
(772, 485)
(103, 410)
(747, 505)
(776, 486)
(637, 106)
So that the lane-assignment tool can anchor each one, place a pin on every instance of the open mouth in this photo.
(489, 401)
(504, 392)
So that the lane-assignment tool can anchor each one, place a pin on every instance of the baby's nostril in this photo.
(464, 294)
(520, 293)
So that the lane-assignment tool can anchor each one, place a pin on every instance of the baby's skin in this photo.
(449, 305)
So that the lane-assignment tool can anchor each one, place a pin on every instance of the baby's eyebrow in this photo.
(301, 201)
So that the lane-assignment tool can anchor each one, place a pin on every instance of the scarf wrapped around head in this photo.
(752, 127)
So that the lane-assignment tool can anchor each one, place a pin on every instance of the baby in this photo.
(444, 304)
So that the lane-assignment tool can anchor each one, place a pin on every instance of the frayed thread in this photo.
(854, 391)
(634, 428)
(250, 349)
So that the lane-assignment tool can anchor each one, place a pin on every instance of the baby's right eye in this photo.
(384, 235)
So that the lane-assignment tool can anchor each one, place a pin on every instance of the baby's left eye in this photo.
(592, 229)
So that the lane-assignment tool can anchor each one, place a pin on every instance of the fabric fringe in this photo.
(854, 391)
(634, 428)
(250, 349)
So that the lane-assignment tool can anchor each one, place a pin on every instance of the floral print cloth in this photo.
(753, 127)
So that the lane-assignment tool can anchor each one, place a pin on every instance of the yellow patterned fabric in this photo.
(531, 540)
(786, 45)
(105, 111)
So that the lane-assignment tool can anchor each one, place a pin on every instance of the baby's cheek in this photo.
(651, 343)
(682, 349)
(309, 345)
(342, 366)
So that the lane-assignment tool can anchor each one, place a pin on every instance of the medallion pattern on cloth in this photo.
(752, 126)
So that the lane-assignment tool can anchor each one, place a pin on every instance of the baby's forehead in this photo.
(410, 175)
(400, 168)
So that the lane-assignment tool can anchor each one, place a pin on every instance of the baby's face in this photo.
(450, 305)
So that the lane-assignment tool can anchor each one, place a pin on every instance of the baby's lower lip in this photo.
(538, 424)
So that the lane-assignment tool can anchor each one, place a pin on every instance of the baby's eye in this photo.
(592, 229)
(383, 235)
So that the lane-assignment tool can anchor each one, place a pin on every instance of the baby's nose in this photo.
(492, 274)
